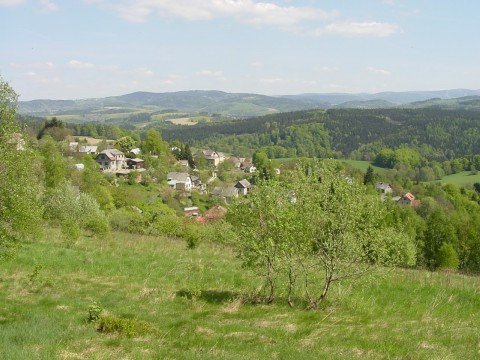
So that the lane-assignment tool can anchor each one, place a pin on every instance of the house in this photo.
(409, 200)
(225, 193)
(88, 149)
(179, 181)
(243, 186)
(384, 188)
(183, 163)
(136, 151)
(250, 169)
(73, 146)
(245, 164)
(236, 161)
(191, 211)
(215, 213)
(111, 160)
(213, 157)
(135, 164)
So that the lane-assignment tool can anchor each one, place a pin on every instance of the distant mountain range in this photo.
(243, 104)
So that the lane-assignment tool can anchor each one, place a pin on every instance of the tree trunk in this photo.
(271, 283)
(291, 284)
(326, 285)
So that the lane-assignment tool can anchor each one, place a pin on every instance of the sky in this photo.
(52, 49)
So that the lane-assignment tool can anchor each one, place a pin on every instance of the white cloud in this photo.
(256, 64)
(245, 11)
(48, 6)
(144, 72)
(38, 66)
(11, 2)
(378, 71)
(328, 69)
(75, 64)
(210, 73)
(367, 28)
(272, 80)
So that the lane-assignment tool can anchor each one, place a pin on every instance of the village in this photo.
(184, 180)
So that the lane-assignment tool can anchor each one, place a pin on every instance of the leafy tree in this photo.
(20, 191)
(369, 177)
(55, 128)
(315, 225)
(264, 223)
(54, 164)
(125, 144)
(153, 143)
(447, 257)
(346, 227)
(188, 156)
(439, 230)
(265, 169)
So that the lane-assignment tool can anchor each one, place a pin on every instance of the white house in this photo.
(88, 149)
(180, 181)
(111, 160)
(243, 186)
(213, 157)
(384, 188)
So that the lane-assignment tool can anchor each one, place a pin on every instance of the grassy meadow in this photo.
(463, 178)
(175, 303)
(363, 165)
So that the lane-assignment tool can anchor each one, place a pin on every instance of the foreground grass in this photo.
(187, 304)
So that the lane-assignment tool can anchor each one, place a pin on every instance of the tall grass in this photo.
(195, 302)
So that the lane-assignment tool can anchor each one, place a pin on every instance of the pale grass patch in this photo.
(232, 307)
(204, 331)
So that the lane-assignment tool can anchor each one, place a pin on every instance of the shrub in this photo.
(128, 220)
(169, 225)
(447, 257)
(128, 327)
(74, 211)
(94, 311)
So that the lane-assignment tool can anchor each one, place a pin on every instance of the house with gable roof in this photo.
(111, 160)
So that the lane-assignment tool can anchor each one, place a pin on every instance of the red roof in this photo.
(409, 196)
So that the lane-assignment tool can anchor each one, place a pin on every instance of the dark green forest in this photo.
(437, 134)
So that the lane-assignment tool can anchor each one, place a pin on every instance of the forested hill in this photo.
(241, 105)
(442, 134)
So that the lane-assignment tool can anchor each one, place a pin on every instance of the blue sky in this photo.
(95, 48)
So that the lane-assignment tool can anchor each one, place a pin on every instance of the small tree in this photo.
(369, 177)
(346, 227)
(263, 221)
(54, 165)
(20, 191)
(125, 144)
(315, 225)
(153, 143)
(447, 257)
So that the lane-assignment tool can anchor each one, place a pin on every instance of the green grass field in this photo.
(363, 165)
(185, 305)
(461, 179)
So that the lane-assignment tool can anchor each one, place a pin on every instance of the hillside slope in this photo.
(172, 302)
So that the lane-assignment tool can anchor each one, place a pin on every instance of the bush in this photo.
(128, 327)
(128, 220)
(75, 211)
(168, 225)
(94, 311)
(447, 257)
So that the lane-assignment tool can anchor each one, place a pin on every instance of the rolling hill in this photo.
(239, 105)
